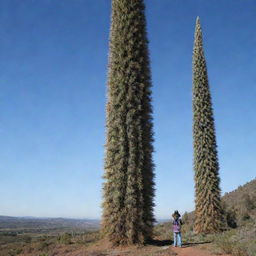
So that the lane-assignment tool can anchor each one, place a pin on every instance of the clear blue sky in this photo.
(53, 66)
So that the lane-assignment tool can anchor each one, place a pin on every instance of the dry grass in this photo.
(237, 242)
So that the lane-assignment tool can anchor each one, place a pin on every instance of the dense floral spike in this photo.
(129, 170)
(208, 211)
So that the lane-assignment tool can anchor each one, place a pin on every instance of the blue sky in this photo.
(53, 62)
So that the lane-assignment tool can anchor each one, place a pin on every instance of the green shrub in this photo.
(231, 218)
(43, 246)
(239, 250)
(224, 244)
(86, 238)
(14, 252)
(65, 238)
(163, 231)
(27, 239)
(252, 249)
(239, 242)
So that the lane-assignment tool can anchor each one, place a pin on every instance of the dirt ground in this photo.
(102, 248)
(192, 251)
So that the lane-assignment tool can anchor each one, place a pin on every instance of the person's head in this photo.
(176, 215)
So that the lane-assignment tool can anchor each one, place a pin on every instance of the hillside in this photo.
(237, 194)
(240, 204)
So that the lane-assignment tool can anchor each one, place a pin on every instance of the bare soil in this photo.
(193, 251)
(103, 248)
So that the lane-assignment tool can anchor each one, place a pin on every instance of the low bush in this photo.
(239, 242)
(87, 237)
(65, 238)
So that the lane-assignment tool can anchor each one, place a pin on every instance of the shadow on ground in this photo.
(160, 242)
(194, 244)
(170, 242)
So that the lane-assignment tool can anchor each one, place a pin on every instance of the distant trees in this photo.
(208, 212)
(129, 170)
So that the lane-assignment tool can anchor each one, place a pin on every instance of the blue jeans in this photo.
(177, 238)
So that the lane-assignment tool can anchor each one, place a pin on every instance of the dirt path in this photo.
(103, 248)
(191, 251)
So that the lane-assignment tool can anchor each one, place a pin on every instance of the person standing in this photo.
(176, 228)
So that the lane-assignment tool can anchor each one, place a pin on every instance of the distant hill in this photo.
(33, 223)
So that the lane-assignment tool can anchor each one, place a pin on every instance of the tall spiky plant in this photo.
(129, 170)
(208, 211)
